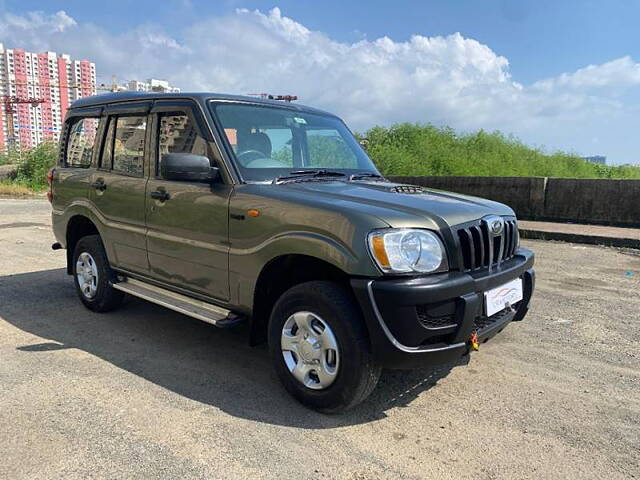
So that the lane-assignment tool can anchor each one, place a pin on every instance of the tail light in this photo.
(50, 182)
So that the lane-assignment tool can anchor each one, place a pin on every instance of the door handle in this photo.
(99, 185)
(161, 195)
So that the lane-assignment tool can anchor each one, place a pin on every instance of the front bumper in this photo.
(429, 320)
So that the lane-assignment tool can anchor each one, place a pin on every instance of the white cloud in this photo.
(57, 22)
(620, 73)
(449, 80)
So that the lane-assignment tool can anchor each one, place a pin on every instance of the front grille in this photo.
(480, 249)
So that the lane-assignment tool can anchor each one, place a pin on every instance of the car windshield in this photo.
(270, 142)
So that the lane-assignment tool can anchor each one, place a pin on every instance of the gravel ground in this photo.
(147, 393)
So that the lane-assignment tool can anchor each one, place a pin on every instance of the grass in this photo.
(417, 149)
(14, 189)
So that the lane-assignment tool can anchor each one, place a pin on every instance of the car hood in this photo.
(426, 207)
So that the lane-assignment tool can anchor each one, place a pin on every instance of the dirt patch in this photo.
(143, 392)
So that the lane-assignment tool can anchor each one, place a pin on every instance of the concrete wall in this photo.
(600, 201)
(609, 202)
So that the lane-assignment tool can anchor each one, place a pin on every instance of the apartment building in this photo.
(599, 159)
(151, 85)
(47, 83)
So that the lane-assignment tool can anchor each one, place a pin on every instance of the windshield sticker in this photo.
(300, 120)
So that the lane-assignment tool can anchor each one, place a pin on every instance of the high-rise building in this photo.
(151, 85)
(599, 159)
(35, 91)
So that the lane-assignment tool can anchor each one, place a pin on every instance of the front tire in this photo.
(319, 346)
(93, 276)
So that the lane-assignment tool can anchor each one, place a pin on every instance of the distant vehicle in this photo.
(236, 209)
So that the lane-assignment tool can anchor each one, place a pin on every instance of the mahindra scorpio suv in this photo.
(243, 210)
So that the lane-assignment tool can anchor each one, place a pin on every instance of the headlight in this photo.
(405, 250)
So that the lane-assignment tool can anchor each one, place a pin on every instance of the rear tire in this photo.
(349, 375)
(93, 276)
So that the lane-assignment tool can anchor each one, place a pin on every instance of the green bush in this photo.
(415, 149)
(404, 149)
(33, 164)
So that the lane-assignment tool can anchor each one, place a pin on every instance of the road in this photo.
(144, 392)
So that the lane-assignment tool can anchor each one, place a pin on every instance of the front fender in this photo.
(291, 223)
(245, 265)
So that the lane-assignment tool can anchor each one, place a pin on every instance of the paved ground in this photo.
(147, 393)
(580, 233)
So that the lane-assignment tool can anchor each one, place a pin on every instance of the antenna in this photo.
(269, 96)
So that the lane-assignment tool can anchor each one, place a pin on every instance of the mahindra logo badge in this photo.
(495, 224)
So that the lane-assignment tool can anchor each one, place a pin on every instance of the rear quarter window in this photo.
(81, 142)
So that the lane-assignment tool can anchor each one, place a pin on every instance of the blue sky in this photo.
(559, 74)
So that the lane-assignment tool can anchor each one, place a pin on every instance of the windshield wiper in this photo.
(360, 176)
(301, 175)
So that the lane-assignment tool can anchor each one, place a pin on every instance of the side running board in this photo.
(218, 316)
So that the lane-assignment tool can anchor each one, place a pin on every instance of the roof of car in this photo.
(111, 98)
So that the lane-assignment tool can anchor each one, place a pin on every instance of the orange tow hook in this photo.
(473, 342)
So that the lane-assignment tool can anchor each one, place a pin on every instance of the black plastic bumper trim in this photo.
(394, 341)
(397, 296)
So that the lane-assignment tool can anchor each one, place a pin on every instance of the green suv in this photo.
(240, 210)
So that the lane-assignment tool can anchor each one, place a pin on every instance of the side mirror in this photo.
(187, 167)
(364, 143)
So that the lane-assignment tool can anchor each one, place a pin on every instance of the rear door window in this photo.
(107, 149)
(128, 145)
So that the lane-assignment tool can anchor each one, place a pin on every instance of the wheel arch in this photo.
(78, 226)
(282, 273)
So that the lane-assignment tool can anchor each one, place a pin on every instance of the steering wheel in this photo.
(241, 156)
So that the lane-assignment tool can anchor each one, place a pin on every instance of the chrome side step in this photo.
(218, 316)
